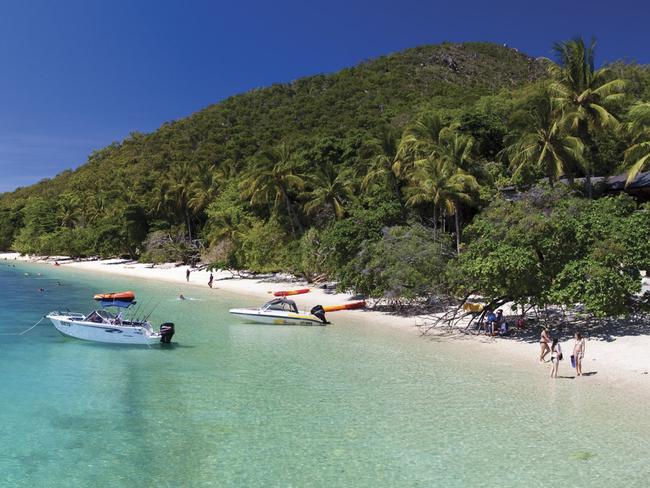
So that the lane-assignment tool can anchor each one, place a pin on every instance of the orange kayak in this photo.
(473, 307)
(345, 306)
(125, 296)
(290, 292)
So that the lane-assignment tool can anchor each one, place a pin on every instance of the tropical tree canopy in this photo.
(368, 176)
(637, 155)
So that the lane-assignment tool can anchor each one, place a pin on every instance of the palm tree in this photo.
(637, 154)
(229, 169)
(583, 94)
(440, 182)
(68, 211)
(458, 149)
(419, 140)
(174, 192)
(331, 188)
(94, 206)
(545, 146)
(226, 226)
(204, 188)
(430, 137)
(385, 161)
(272, 179)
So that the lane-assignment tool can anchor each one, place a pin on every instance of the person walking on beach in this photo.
(556, 357)
(210, 280)
(579, 352)
(187, 275)
(544, 341)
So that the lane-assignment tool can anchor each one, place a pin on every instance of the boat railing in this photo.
(68, 313)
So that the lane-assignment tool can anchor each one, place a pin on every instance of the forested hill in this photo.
(347, 107)
(353, 101)
(367, 176)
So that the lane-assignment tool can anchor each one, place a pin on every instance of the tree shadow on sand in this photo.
(565, 325)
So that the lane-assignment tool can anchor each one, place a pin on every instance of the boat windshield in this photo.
(100, 316)
(281, 304)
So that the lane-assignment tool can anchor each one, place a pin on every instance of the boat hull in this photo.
(275, 318)
(113, 334)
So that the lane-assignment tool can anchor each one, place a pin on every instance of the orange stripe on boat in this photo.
(345, 306)
(290, 292)
(123, 295)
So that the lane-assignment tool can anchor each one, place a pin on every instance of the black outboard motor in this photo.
(319, 311)
(166, 332)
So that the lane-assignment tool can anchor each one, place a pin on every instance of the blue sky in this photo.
(78, 75)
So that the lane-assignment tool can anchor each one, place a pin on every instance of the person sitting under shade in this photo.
(491, 320)
(501, 323)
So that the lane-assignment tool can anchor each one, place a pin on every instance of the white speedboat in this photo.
(104, 326)
(281, 311)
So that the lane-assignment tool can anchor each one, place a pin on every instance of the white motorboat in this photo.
(281, 311)
(104, 326)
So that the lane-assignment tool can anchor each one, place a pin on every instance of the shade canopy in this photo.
(123, 299)
(116, 303)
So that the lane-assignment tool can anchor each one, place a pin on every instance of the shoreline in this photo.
(621, 361)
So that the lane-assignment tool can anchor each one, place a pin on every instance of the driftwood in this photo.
(452, 318)
(562, 321)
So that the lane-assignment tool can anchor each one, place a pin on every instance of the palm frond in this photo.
(636, 158)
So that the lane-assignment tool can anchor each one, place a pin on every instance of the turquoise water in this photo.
(349, 405)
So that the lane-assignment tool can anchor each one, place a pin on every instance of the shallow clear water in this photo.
(233, 404)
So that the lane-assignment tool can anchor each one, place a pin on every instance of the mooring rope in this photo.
(26, 330)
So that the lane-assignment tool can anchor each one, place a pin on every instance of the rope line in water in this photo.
(26, 330)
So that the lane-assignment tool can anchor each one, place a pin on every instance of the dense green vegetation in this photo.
(552, 248)
(384, 177)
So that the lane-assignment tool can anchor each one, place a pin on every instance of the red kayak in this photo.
(124, 296)
(289, 293)
(345, 306)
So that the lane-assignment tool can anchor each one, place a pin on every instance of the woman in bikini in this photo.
(544, 341)
(556, 357)
(579, 352)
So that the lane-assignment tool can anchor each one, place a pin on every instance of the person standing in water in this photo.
(579, 352)
(544, 341)
(556, 357)
(210, 280)
(187, 274)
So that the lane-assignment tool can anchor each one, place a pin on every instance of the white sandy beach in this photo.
(623, 361)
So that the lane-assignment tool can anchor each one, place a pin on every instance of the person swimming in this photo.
(181, 297)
